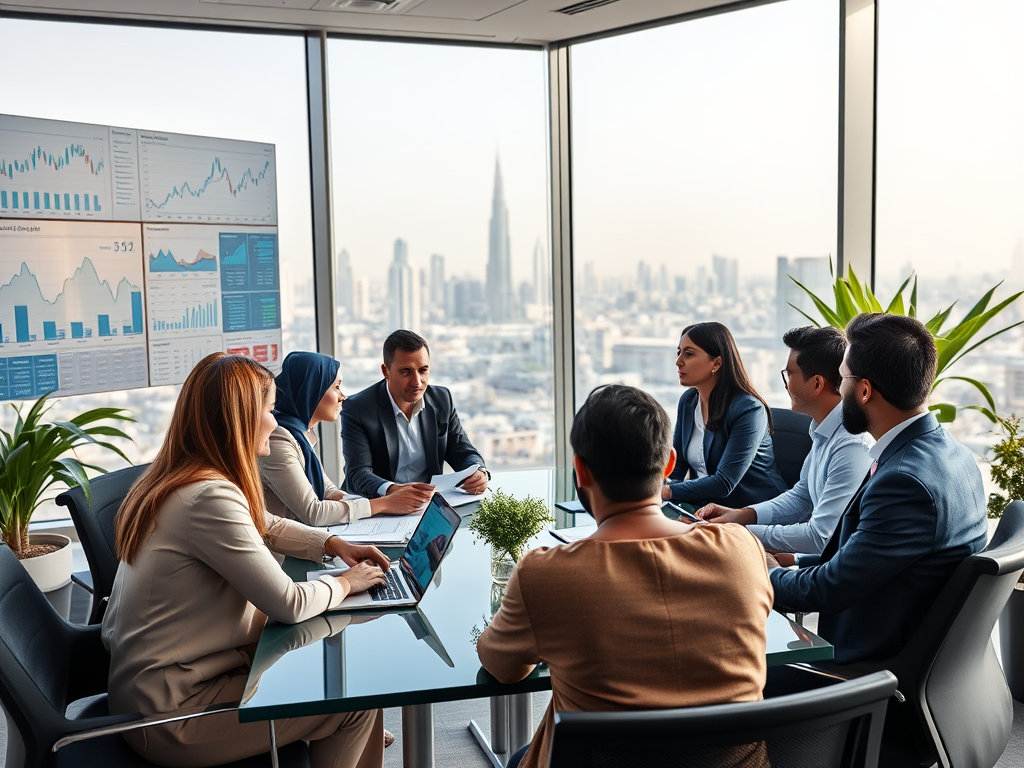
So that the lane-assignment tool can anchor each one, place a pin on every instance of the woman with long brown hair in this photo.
(198, 580)
(723, 427)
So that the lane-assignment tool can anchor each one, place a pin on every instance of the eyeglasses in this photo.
(785, 378)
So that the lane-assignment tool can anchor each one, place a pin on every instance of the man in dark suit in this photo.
(399, 432)
(919, 513)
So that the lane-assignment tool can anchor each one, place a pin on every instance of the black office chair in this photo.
(95, 525)
(837, 726)
(791, 442)
(953, 701)
(46, 664)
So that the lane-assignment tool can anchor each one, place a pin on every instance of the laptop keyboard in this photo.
(392, 589)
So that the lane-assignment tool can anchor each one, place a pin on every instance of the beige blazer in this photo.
(289, 493)
(200, 590)
(645, 624)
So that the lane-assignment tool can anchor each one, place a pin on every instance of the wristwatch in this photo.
(487, 473)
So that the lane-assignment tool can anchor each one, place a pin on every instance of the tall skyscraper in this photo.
(814, 272)
(437, 281)
(499, 261)
(403, 291)
(541, 275)
(726, 276)
(344, 285)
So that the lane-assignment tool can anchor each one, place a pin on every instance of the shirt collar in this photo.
(398, 411)
(884, 441)
(311, 437)
(829, 424)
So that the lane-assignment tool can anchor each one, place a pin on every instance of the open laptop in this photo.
(408, 578)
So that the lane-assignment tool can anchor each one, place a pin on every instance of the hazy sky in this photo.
(714, 136)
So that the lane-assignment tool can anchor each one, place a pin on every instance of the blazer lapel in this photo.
(709, 438)
(833, 542)
(429, 424)
(387, 421)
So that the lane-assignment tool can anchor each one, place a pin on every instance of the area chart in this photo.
(72, 315)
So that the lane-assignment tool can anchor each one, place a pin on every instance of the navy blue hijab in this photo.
(304, 379)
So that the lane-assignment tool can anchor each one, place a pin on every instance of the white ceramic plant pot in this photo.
(53, 570)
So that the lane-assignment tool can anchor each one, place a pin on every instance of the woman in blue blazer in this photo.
(723, 429)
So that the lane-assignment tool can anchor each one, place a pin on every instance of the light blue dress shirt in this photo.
(412, 456)
(802, 519)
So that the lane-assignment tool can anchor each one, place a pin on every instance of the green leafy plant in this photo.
(1007, 468)
(508, 523)
(33, 456)
(852, 297)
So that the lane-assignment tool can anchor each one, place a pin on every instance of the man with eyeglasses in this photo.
(800, 521)
(918, 514)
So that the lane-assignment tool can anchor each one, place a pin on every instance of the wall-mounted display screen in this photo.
(108, 280)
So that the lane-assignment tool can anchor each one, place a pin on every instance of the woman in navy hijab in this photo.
(308, 392)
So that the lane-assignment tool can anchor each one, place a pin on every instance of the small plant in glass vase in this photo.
(507, 524)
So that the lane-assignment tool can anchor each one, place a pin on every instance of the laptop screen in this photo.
(427, 547)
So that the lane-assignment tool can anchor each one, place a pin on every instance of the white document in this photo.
(381, 529)
(447, 486)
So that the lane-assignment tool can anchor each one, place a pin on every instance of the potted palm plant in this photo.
(507, 524)
(33, 456)
(852, 297)
(1008, 475)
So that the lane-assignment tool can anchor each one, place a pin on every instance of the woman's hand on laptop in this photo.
(354, 553)
(716, 513)
(362, 576)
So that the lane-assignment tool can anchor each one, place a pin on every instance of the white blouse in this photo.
(695, 450)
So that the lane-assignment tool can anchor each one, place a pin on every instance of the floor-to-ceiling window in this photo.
(223, 85)
(440, 213)
(704, 175)
(950, 200)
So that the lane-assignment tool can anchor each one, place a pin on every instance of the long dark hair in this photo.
(715, 339)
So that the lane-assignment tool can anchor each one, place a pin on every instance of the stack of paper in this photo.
(382, 529)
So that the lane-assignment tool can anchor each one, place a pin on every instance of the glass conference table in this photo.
(341, 662)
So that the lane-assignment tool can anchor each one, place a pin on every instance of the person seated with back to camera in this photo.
(676, 581)
(296, 487)
(802, 519)
(398, 433)
(723, 427)
(198, 580)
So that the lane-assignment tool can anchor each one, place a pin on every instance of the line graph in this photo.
(197, 179)
(52, 169)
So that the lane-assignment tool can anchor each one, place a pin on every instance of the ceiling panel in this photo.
(515, 22)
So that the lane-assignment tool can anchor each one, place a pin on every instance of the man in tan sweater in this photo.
(646, 613)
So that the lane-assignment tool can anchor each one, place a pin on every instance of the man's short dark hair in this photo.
(896, 354)
(407, 341)
(625, 438)
(819, 352)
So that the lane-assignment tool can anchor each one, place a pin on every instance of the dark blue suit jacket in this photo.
(901, 537)
(739, 456)
(369, 438)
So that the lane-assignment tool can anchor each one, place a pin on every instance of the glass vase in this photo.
(501, 566)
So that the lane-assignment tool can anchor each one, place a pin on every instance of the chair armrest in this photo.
(83, 579)
(138, 721)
